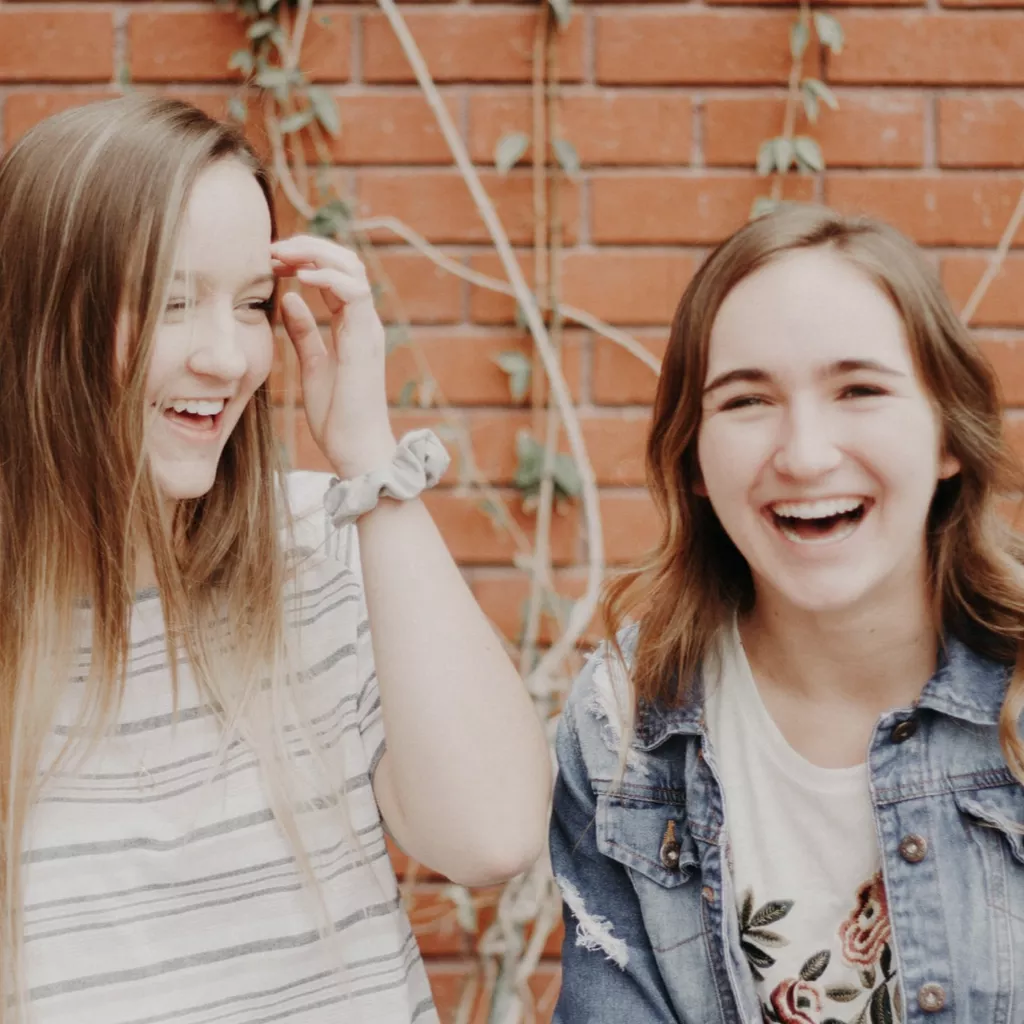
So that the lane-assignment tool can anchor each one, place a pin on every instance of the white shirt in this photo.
(156, 896)
(804, 863)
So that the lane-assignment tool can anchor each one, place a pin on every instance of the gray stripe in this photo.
(228, 900)
(270, 865)
(209, 957)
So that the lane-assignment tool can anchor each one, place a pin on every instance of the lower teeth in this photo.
(839, 528)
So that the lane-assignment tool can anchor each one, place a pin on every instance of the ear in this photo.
(949, 466)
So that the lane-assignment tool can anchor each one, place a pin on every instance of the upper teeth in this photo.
(198, 406)
(816, 509)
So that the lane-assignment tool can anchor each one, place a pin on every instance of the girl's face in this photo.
(214, 345)
(819, 448)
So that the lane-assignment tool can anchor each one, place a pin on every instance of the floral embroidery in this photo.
(864, 940)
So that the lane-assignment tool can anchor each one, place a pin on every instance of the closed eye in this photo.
(261, 305)
(743, 402)
(862, 391)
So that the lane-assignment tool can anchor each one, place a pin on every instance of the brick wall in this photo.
(665, 103)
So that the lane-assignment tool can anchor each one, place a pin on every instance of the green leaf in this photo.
(325, 108)
(266, 6)
(748, 909)
(509, 150)
(296, 122)
(465, 909)
(395, 336)
(566, 476)
(519, 370)
(773, 911)
(330, 218)
(407, 394)
(530, 465)
(810, 102)
(783, 150)
(885, 960)
(814, 966)
(808, 153)
(275, 79)
(842, 993)
(757, 957)
(237, 109)
(799, 36)
(563, 11)
(822, 91)
(261, 28)
(766, 157)
(566, 155)
(766, 937)
(242, 60)
(881, 1006)
(830, 32)
(763, 205)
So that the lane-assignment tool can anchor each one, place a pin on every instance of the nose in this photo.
(807, 447)
(216, 349)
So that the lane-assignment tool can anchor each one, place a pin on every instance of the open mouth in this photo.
(826, 521)
(199, 415)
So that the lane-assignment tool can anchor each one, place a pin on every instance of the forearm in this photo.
(467, 763)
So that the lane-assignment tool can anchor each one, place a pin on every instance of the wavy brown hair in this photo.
(695, 579)
(91, 206)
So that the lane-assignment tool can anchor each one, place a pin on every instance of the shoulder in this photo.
(598, 718)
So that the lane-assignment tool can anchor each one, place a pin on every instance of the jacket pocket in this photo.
(648, 837)
(1000, 808)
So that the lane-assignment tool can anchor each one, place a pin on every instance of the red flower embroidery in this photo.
(867, 929)
(796, 1001)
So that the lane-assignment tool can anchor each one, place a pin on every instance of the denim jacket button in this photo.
(902, 731)
(913, 849)
(670, 856)
(931, 997)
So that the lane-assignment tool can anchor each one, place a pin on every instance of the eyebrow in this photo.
(179, 277)
(753, 375)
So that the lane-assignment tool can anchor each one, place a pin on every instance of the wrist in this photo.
(364, 458)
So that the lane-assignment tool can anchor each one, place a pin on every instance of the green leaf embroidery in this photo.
(881, 1006)
(842, 993)
(747, 910)
(814, 966)
(509, 150)
(765, 937)
(758, 957)
(867, 977)
(885, 961)
(774, 910)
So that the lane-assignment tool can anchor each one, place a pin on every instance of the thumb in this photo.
(301, 326)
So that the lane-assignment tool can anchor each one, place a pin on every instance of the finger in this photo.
(319, 251)
(301, 326)
(338, 288)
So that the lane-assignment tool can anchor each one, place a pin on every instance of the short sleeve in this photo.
(325, 552)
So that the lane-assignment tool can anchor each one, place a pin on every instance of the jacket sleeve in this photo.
(609, 974)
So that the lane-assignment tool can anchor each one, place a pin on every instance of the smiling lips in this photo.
(197, 415)
(823, 521)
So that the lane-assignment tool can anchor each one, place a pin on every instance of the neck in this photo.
(877, 656)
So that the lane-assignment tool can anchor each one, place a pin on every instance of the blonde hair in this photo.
(695, 578)
(91, 205)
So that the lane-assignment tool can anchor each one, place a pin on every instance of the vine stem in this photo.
(792, 97)
(474, 277)
(996, 263)
(585, 607)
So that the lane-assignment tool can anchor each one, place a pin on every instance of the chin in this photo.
(183, 485)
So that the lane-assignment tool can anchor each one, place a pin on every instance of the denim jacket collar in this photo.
(965, 686)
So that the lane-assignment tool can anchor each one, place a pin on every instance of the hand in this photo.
(343, 386)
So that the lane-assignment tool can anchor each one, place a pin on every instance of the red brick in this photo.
(942, 48)
(873, 129)
(389, 128)
(616, 444)
(487, 307)
(438, 205)
(1006, 354)
(54, 45)
(1013, 428)
(981, 130)
(475, 539)
(693, 47)
(426, 293)
(631, 526)
(948, 209)
(449, 981)
(1003, 304)
(166, 46)
(608, 128)
(503, 593)
(24, 110)
(666, 210)
(462, 363)
(619, 378)
(982, 3)
(466, 45)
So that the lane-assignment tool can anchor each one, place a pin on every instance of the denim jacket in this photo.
(652, 932)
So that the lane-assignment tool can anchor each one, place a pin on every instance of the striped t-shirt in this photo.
(153, 894)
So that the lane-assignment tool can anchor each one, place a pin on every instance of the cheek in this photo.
(730, 459)
(260, 355)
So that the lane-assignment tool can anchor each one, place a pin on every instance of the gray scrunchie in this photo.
(419, 462)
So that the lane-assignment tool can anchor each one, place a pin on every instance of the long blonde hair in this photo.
(695, 578)
(91, 204)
